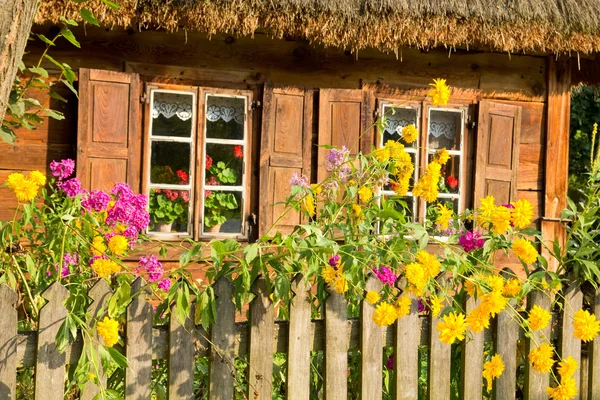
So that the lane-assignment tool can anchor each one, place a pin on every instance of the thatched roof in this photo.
(547, 26)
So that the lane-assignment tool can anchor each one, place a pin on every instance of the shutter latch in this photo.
(144, 98)
(470, 123)
(255, 105)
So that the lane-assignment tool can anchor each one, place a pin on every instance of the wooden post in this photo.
(181, 355)
(594, 358)
(8, 343)
(371, 347)
(50, 363)
(298, 379)
(336, 346)
(99, 294)
(569, 344)
(557, 153)
(221, 362)
(262, 326)
(537, 382)
(439, 364)
(406, 353)
(472, 360)
(138, 345)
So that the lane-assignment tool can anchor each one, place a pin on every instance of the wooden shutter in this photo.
(342, 122)
(498, 139)
(285, 150)
(109, 129)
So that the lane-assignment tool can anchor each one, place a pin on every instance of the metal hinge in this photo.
(255, 105)
(144, 97)
(471, 124)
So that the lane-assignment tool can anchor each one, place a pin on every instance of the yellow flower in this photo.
(415, 275)
(522, 214)
(493, 303)
(566, 390)
(567, 367)
(538, 318)
(500, 219)
(104, 267)
(308, 204)
(470, 287)
(493, 369)
(512, 288)
(329, 274)
(119, 227)
(385, 314)
(382, 154)
(452, 328)
(395, 148)
(372, 297)
(341, 285)
(98, 246)
(427, 185)
(487, 206)
(441, 156)
(478, 319)
(365, 194)
(541, 358)
(108, 330)
(440, 92)
(118, 244)
(495, 282)
(316, 189)
(410, 133)
(430, 264)
(444, 216)
(436, 306)
(37, 177)
(403, 306)
(524, 250)
(356, 210)
(586, 325)
(24, 189)
(14, 179)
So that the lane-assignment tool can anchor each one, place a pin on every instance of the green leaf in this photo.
(67, 21)
(67, 84)
(88, 17)
(7, 135)
(250, 252)
(111, 4)
(117, 357)
(45, 40)
(67, 34)
(39, 71)
(54, 114)
(57, 96)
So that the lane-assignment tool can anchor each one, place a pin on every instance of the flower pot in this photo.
(214, 229)
(164, 227)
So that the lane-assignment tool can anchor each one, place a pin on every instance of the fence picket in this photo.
(439, 364)
(336, 346)
(406, 353)
(8, 343)
(138, 345)
(371, 347)
(298, 379)
(594, 357)
(505, 344)
(569, 345)
(99, 295)
(50, 365)
(181, 355)
(537, 382)
(221, 366)
(262, 326)
(472, 359)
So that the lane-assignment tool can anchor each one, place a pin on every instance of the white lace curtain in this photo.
(180, 105)
(226, 109)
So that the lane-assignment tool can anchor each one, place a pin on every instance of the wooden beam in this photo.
(557, 153)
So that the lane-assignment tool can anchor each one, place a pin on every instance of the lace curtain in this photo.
(443, 124)
(226, 109)
(170, 104)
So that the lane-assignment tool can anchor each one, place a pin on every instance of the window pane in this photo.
(222, 212)
(396, 121)
(444, 129)
(170, 162)
(450, 174)
(172, 114)
(225, 117)
(225, 164)
(169, 210)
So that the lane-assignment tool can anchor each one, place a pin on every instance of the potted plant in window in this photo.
(218, 208)
(166, 207)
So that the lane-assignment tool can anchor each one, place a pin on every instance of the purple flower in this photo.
(72, 187)
(122, 191)
(70, 259)
(96, 200)
(423, 305)
(299, 180)
(151, 266)
(385, 275)
(336, 157)
(389, 364)
(62, 169)
(65, 271)
(471, 241)
(509, 206)
(334, 261)
(165, 284)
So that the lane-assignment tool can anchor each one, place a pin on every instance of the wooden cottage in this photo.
(253, 87)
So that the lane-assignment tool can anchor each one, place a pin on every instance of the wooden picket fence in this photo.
(259, 338)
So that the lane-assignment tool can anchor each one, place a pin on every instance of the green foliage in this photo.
(165, 209)
(218, 207)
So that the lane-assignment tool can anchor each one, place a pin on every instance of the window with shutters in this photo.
(196, 161)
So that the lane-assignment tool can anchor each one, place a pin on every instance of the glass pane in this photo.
(224, 164)
(397, 120)
(172, 114)
(445, 129)
(222, 212)
(170, 163)
(169, 210)
(450, 174)
(225, 117)
(432, 215)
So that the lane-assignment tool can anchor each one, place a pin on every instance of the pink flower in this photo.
(165, 284)
(209, 161)
(385, 275)
(471, 241)
(62, 169)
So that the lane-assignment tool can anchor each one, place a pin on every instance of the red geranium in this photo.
(452, 182)
(237, 152)
(185, 196)
(183, 176)
(171, 195)
(208, 162)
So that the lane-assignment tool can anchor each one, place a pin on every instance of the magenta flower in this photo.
(165, 284)
(334, 261)
(72, 187)
(423, 305)
(151, 266)
(301, 180)
(96, 200)
(389, 364)
(63, 169)
(385, 275)
(471, 241)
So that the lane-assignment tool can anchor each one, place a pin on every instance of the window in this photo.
(197, 163)
(438, 128)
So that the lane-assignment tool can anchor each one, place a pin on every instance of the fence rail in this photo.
(259, 338)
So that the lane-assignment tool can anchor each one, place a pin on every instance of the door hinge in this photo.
(255, 105)
(376, 114)
(144, 98)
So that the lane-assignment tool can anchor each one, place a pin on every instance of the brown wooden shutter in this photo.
(497, 159)
(343, 116)
(285, 150)
(109, 129)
